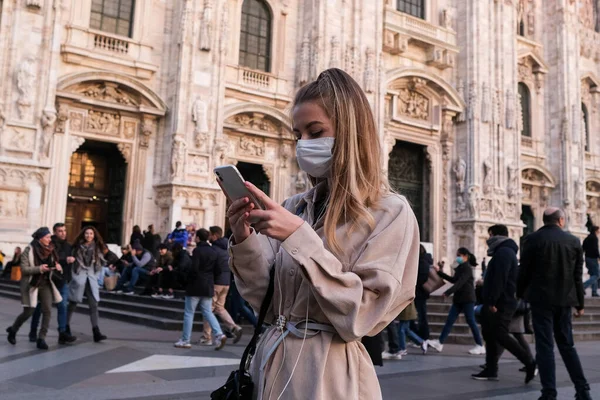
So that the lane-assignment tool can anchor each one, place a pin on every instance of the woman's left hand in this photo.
(275, 221)
(58, 267)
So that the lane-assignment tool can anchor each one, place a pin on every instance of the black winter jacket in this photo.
(64, 250)
(201, 280)
(500, 282)
(220, 246)
(551, 268)
(464, 287)
(425, 263)
(590, 246)
(151, 243)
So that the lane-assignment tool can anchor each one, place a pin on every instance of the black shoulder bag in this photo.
(239, 385)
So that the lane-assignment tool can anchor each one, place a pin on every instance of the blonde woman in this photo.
(345, 253)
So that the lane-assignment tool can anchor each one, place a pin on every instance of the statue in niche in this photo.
(26, 76)
(200, 118)
(370, 71)
(513, 180)
(206, 29)
(48, 121)
(460, 172)
(487, 177)
(178, 156)
(474, 201)
(304, 60)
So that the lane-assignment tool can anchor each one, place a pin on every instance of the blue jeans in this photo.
(468, 309)
(403, 330)
(553, 323)
(237, 305)
(105, 272)
(593, 269)
(61, 315)
(188, 317)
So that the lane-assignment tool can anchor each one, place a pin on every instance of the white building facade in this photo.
(113, 113)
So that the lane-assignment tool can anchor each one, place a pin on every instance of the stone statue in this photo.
(474, 201)
(206, 29)
(178, 156)
(447, 18)
(369, 71)
(301, 181)
(510, 109)
(460, 172)
(487, 177)
(48, 121)
(513, 180)
(304, 60)
(461, 92)
(200, 118)
(26, 76)
(473, 102)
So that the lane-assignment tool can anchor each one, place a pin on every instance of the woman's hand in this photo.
(44, 268)
(238, 214)
(58, 267)
(275, 221)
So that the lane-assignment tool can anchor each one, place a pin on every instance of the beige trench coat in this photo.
(29, 295)
(359, 294)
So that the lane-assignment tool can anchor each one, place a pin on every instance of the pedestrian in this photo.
(89, 252)
(344, 254)
(182, 263)
(179, 235)
(136, 236)
(222, 280)
(422, 295)
(499, 305)
(14, 262)
(142, 264)
(463, 300)
(162, 278)
(408, 315)
(151, 241)
(65, 259)
(550, 280)
(39, 264)
(592, 254)
(238, 307)
(199, 289)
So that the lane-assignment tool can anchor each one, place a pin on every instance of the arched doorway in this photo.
(96, 190)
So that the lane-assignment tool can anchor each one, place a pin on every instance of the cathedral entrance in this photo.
(96, 190)
(408, 175)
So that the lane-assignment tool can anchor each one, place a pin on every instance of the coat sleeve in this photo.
(250, 262)
(26, 267)
(526, 268)
(460, 278)
(578, 274)
(497, 274)
(451, 279)
(381, 283)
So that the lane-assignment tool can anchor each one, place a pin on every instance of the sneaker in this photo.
(183, 344)
(119, 291)
(477, 350)
(391, 356)
(168, 296)
(128, 292)
(206, 342)
(157, 296)
(403, 352)
(485, 375)
(220, 342)
(436, 345)
(424, 347)
(237, 334)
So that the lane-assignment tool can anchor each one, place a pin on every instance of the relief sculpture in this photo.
(252, 146)
(102, 122)
(413, 104)
(26, 76)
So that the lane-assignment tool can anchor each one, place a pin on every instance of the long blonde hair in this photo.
(357, 180)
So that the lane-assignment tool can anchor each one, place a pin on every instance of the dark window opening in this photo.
(113, 16)
(255, 36)
(525, 109)
(416, 8)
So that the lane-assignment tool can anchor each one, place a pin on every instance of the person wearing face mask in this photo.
(463, 300)
(345, 253)
(550, 280)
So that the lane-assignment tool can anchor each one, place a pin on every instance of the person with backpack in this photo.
(179, 235)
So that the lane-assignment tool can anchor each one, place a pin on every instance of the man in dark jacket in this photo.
(500, 304)
(64, 251)
(143, 262)
(162, 277)
(151, 241)
(592, 254)
(550, 279)
(222, 281)
(199, 289)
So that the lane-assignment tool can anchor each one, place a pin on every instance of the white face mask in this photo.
(314, 156)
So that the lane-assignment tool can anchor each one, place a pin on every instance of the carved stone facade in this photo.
(436, 82)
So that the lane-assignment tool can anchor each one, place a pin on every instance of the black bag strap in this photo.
(251, 348)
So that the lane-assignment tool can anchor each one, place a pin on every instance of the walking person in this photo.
(222, 280)
(88, 250)
(344, 254)
(39, 263)
(65, 259)
(199, 289)
(550, 280)
(592, 254)
(500, 304)
(14, 262)
(422, 295)
(463, 300)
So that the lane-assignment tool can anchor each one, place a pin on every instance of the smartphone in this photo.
(233, 185)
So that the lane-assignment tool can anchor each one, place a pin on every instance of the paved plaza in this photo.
(141, 363)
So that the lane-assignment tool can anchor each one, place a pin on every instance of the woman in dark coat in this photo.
(463, 301)
(151, 241)
(39, 262)
(136, 236)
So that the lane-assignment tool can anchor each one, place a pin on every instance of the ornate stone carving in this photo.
(220, 150)
(62, 115)
(412, 103)
(251, 146)
(13, 204)
(75, 143)
(200, 118)
(301, 182)
(25, 78)
(285, 155)
(510, 109)
(485, 102)
(447, 18)
(146, 130)
(102, 122)
(304, 69)
(461, 92)
(513, 180)
(334, 59)
(351, 60)
(34, 4)
(125, 149)
(268, 169)
(473, 201)
(473, 112)
(129, 129)
(579, 193)
(255, 121)
(48, 120)
(2, 117)
(206, 28)
(369, 71)
(20, 140)
(178, 156)
(488, 178)
(109, 92)
(224, 34)
(198, 165)
(76, 121)
(586, 13)
(524, 71)
(460, 175)
(498, 107)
